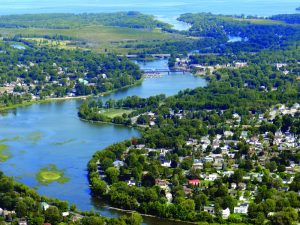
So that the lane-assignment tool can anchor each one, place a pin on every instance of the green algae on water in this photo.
(50, 174)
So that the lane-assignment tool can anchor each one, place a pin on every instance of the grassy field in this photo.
(99, 38)
(43, 42)
(261, 21)
(111, 113)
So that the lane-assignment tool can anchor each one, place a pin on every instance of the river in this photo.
(51, 133)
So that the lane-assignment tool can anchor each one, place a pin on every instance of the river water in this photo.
(51, 133)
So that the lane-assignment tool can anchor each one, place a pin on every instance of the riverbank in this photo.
(83, 97)
(42, 101)
(139, 128)
(148, 215)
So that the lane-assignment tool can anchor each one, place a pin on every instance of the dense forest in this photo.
(256, 33)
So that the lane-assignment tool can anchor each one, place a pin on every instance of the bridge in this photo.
(158, 71)
(130, 56)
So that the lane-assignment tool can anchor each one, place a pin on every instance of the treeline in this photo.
(66, 21)
(7, 100)
(287, 18)
(27, 205)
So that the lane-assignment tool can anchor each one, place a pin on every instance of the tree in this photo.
(148, 180)
(134, 219)
(52, 215)
(112, 175)
(92, 220)
(99, 187)
(21, 209)
(286, 217)
(200, 201)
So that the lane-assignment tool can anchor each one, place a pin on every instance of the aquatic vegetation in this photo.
(4, 154)
(64, 142)
(51, 174)
(35, 136)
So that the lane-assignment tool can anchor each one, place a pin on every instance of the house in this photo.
(169, 196)
(131, 182)
(233, 185)
(228, 134)
(198, 164)
(210, 209)
(212, 177)
(22, 222)
(228, 173)
(195, 182)
(187, 191)
(161, 183)
(76, 217)
(152, 123)
(45, 205)
(242, 186)
(225, 213)
(64, 214)
(240, 64)
(208, 159)
(236, 117)
(241, 209)
(166, 163)
(118, 164)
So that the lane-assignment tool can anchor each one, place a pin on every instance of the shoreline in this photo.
(147, 215)
(139, 128)
(66, 98)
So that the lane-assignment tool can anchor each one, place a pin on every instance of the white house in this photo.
(169, 196)
(225, 213)
(64, 214)
(166, 164)
(242, 209)
(212, 177)
(45, 205)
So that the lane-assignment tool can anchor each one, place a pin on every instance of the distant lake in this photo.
(166, 10)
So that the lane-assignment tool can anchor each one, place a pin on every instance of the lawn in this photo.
(111, 113)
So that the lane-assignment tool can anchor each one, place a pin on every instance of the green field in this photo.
(111, 113)
(97, 37)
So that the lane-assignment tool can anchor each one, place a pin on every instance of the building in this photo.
(241, 209)
(195, 182)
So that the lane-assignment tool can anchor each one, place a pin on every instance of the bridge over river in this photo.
(163, 70)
